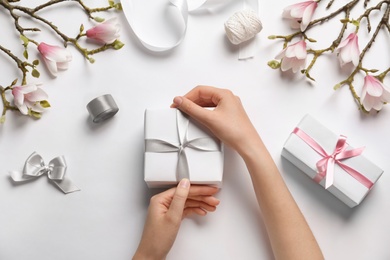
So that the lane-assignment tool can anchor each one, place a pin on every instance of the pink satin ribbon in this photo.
(325, 166)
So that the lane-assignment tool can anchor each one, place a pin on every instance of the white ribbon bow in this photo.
(55, 171)
(207, 144)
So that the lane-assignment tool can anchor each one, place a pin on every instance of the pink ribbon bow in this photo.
(325, 166)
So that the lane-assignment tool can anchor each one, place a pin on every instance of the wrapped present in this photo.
(329, 160)
(177, 147)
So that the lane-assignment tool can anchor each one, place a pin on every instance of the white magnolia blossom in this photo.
(55, 57)
(348, 50)
(29, 97)
(293, 57)
(374, 94)
(106, 32)
(300, 14)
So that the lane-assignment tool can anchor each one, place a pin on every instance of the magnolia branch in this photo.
(86, 9)
(346, 9)
(32, 12)
(6, 104)
(22, 65)
(17, 10)
(349, 81)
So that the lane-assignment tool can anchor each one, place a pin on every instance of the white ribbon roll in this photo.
(182, 9)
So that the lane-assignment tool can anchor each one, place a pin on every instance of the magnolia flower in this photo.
(374, 93)
(300, 14)
(55, 57)
(293, 57)
(31, 97)
(106, 32)
(348, 50)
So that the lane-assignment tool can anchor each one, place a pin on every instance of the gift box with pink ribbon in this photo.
(177, 147)
(329, 160)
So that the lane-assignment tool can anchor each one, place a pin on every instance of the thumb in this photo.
(192, 109)
(179, 199)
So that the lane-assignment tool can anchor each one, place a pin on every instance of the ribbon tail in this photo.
(182, 170)
(66, 185)
(318, 178)
(329, 173)
(19, 176)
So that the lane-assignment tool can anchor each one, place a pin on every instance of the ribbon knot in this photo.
(181, 148)
(35, 167)
(326, 165)
(207, 144)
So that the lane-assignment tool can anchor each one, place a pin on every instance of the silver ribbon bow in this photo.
(55, 171)
(207, 144)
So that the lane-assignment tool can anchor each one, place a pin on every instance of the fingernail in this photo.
(184, 183)
(177, 101)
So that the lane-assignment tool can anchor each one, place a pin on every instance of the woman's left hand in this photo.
(166, 210)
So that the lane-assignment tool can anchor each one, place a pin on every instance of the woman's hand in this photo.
(290, 235)
(166, 210)
(228, 121)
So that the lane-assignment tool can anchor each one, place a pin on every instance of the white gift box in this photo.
(345, 187)
(161, 167)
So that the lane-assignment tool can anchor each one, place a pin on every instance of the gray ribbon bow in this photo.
(55, 170)
(207, 144)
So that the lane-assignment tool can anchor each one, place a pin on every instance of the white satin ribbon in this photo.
(181, 8)
(55, 171)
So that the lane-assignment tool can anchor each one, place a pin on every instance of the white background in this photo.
(105, 219)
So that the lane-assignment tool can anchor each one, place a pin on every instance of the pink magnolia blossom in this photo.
(300, 14)
(293, 57)
(55, 57)
(106, 32)
(28, 97)
(374, 93)
(348, 50)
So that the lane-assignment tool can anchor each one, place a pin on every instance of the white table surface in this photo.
(105, 219)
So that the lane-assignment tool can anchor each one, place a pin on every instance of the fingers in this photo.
(205, 95)
(210, 200)
(190, 211)
(179, 199)
(193, 102)
(201, 200)
(188, 200)
(192, 109)
(199, 204)
(202, 96)
(198, 208)
(202, 190)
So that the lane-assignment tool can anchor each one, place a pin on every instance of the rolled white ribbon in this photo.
(182, 9)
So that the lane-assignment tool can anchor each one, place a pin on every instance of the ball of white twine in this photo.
(242, 26)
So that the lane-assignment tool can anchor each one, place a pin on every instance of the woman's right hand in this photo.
(228, 121)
